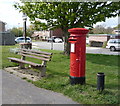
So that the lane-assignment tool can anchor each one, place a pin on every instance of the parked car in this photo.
(53, 39)
(50, 40)
(113, 44)
(87, 40)
(22, 39)
(58, 40)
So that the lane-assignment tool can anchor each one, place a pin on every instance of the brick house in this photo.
(57, 32)
(116, 31)
(98, 40)
(42, 35)
(47, 34)
(2, 26)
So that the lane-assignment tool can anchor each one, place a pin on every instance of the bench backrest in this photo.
(45, 56)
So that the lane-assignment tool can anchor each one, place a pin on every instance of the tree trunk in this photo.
(66, 43)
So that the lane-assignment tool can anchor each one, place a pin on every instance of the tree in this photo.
(117, 27)
(66, 15)
(100, 29)
(109, 30)
(30, 30)
(16, 31)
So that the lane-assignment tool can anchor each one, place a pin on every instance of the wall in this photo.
(7, 38)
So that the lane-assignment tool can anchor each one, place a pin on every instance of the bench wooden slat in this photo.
(25, 62)
(44, 59)
(46, 56)
(41, 52)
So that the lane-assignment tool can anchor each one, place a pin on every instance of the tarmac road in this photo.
(60, 46)
(48, 45)
(18, 91)
(99, 50)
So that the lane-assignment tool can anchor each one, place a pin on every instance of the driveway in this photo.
(18, 91)
(60, 46)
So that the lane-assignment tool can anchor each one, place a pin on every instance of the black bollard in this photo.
(100, 81)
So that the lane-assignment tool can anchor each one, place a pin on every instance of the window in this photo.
(112, 41)
(28, 38)
(118, 41)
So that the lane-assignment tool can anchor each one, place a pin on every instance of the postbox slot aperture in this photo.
(72, 39)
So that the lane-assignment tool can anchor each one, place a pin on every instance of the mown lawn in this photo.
(58, 77)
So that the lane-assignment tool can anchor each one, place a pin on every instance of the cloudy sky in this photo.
(13, 18)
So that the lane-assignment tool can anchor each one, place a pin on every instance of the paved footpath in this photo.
(18, 91)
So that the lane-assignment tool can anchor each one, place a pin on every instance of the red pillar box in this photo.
(77, 55)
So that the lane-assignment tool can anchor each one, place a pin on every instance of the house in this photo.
(6, 38)
(57, 32)
(114, 36)
(98, 40)
(116, 32)
(2, 26)
(43, 35)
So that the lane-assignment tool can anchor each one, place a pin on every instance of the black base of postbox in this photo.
(77, 80)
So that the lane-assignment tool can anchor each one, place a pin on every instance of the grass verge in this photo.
(58, 77)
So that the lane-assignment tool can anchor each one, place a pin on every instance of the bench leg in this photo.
(43, 72)
(21, 66)
(43, 69)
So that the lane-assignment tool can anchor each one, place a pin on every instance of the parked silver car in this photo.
(22, 40)
(113, 44)
(54, 39)
(58, 40)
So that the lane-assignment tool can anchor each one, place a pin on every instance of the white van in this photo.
(113, 44)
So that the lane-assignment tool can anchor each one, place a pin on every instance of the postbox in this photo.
(77, 55)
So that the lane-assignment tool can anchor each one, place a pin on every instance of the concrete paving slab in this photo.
(23, 73)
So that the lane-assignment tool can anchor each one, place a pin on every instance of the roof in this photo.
(104, 34)
(3, 22)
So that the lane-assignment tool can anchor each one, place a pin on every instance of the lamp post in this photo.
(18, 29)
(24, 26)
(51, 33)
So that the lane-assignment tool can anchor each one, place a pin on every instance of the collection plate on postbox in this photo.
(73, 41)
(72, 48)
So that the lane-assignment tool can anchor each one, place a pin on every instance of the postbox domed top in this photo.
(78, 31)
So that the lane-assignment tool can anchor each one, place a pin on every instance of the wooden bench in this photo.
(40, 55)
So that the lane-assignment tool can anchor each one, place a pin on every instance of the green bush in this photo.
(104, 44)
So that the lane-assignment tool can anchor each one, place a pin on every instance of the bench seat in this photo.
(44, 57)
(24, 61)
